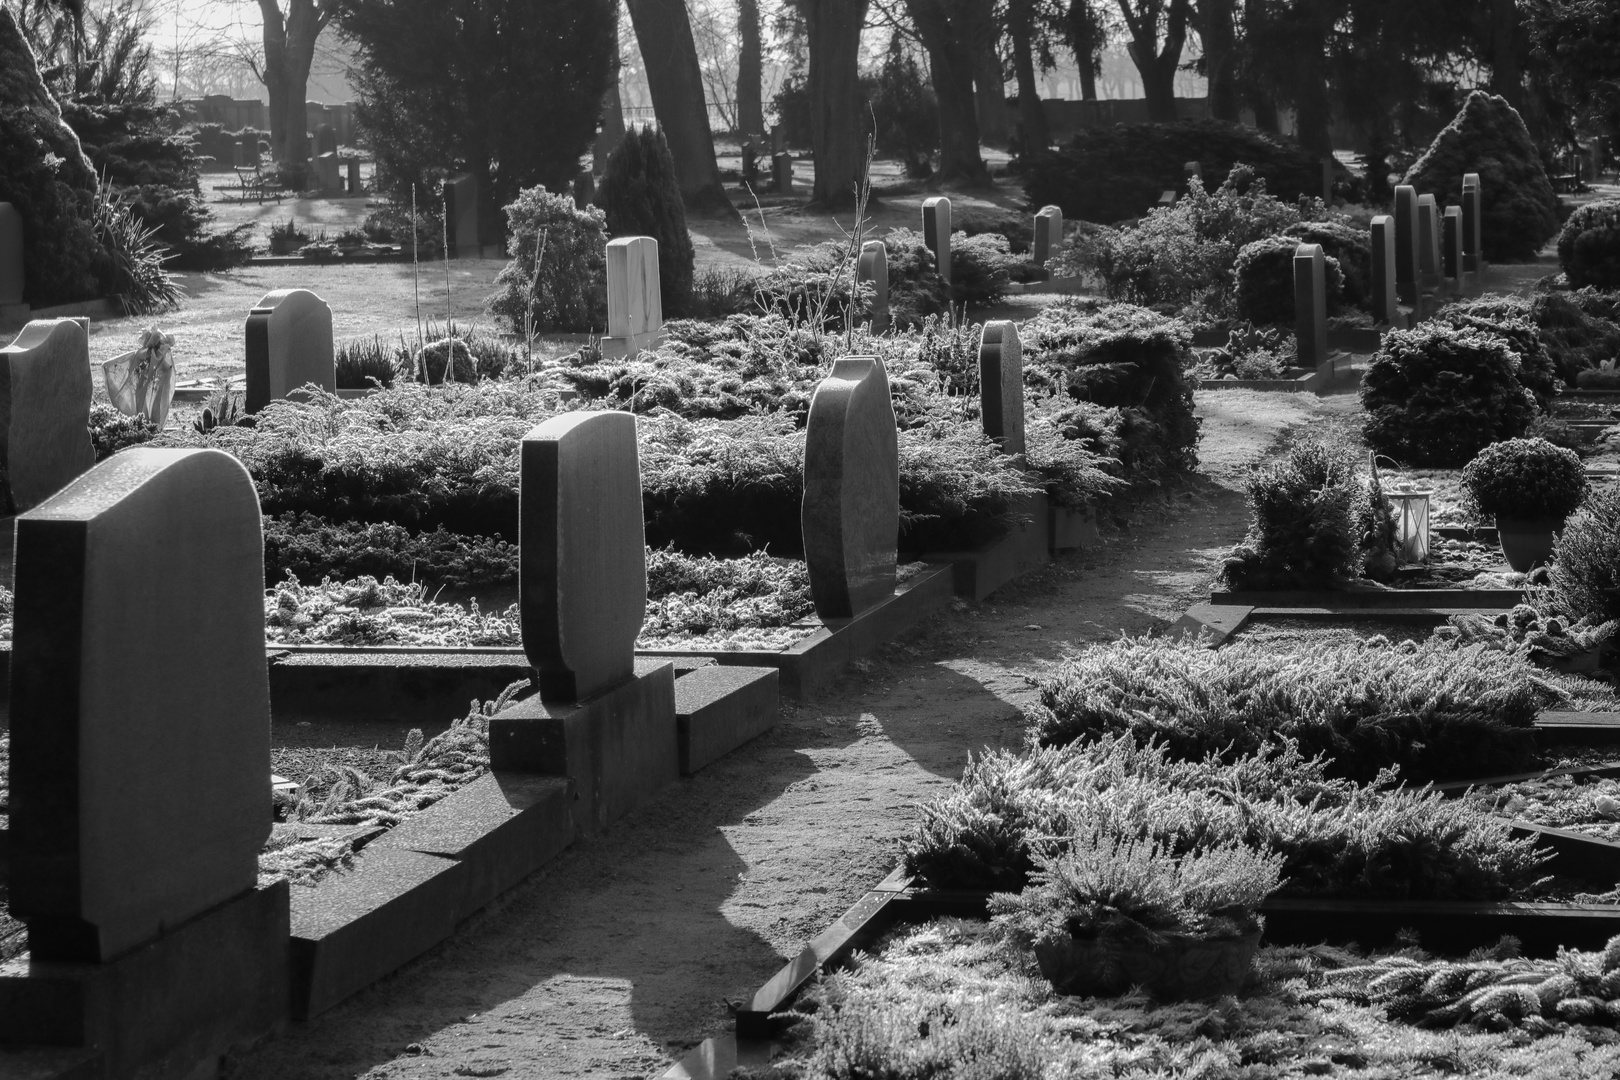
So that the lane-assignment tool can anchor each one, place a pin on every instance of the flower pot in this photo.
(1177, 967)
(1527, 544)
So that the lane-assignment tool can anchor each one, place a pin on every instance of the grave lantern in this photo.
(1411, 523)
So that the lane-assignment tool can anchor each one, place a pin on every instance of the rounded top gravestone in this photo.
(45, 391)
(1001, 385)
(289, 344)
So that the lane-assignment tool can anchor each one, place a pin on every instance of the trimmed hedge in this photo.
(1589, 245)
(1518, 209)
(1111, 174)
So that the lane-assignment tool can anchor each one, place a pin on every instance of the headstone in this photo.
(1473, 236)
(1383, 269)
(1167, 198)
(245, 158)
(874, 267)
(354, 185)
(936, 214)
(1001, 385)
(635, 305)
(778, 140)
(328, 174)
(1192, 169)
(1451, 246)
(1406, 244)
(325, 139)
(11, 255)
(1048, 234)
(461, 215)
(1310, 304)
(851, 511)
(45, 391)
(582, 576)
(140, 703)
(1428, 237)
(782, 173)
(289, 344)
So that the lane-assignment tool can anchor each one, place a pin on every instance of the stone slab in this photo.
(1384, 303)
(288, 345)
(1001, 385)
(1310, 305)
(177, 1002)
(635, 299)
(582, 580)
(1072, 529)
(1048, 234)
(1407, 244)
(718, 1058)
(418, 686)
(618, 749)
(1026, 547)
(936, 214)
(719, 708)
(149, 538)
(45, 391)
(1220, 621)
(850, 516)
(1428, 236)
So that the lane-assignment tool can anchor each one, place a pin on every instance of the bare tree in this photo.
(1145, 20)
(837, 114)
(289, 49)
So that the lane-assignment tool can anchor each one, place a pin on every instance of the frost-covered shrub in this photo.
(1264, 280)
(568, 290)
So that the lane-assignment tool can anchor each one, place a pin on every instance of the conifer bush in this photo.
(1584, 579)
(640, 196)
(1589, 245)
(557, 279)
(1512, 320)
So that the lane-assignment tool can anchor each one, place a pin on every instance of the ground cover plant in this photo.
(1435, 710)
(1588, 805)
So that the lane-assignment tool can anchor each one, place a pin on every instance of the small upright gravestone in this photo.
(1473, 253)
(1429, 239)
(1310, 304)
(461, 215)
(635, 304)
(782, 173)
(45, 391)
(11, 256)
(328, 174)
(874, 267)
(289, 344)
(1001, 385)
(1193, 169)
(583, 579)
(325, 139)
(851, 511)
(138, 809)
(1048, 234)
(936, 214)
(1451, 245)
(1407, 272)
(1383, 269)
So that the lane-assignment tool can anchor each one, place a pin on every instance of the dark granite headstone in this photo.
(11, 255)
(289, 344)
(1048, 234)
(1407, 270)
(936, 214)
(1310, 304)
(874, 267)
(45, 391)
(1383, 268)
(1001, 385)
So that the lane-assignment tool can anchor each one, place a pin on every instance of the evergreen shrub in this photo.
(1589, 245)
(641, 196)
(568, 290)
(1263, 277)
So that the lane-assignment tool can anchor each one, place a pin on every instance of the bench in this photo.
(257, 183)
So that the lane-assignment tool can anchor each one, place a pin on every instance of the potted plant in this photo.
(1112, 912)
(1530, 486)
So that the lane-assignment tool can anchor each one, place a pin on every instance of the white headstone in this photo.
(874, 267)
(1048, 234)
(635, 306)
(289, 344)
(1001, 385)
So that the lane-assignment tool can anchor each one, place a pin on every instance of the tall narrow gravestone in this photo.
(1383, 269)
(1451, 244)
(461, 215)
(582, 583)
(936, 214)
(1472, 237)
(874, 267)
(1001, 385)
(782, 173)
(1048, 234)
(851, 511)
(1406, 244)
(1429, 239)
(1310, 304)
(1193, 169)
(583, 580)
(289, 344)
(140, 768)
(635, 305)
(11, 256)
(45, 390)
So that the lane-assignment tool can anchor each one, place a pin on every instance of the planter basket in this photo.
(1177, 967)
(1527, 544)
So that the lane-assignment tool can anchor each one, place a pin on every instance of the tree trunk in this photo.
(675, 79)
(1219, 36)
(1088, 84)
(611, 133)
(1033, 134)
(950, 63)
(1157, 66)
(289, 49)
(1265, 112)
(1082, 34)
(1507, 78)
(750, 68)
(838, 117)
(990, 89)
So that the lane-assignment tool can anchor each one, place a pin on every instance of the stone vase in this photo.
(1527, 544)
(1177, 967)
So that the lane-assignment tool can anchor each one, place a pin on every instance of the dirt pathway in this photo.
(624, 951)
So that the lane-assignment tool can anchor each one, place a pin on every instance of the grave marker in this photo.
(1048, 234)
(461, 215)
(1167, 198)
(1383, 269)
(354, 185)
(45, 391)
(1406, 244)
(851, 511)
(782, 173)
(1001, 385)
(1310, 304)
(1193, 169)
(1429, 239)
(11, 256)
(582, 578)
(874, 267)
(936, 214)
(289, 344)
(328, 174)
(1472, 237)
(1451, 247)
(325, 139)
(635, 304)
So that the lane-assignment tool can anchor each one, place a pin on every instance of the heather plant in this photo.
(982, 266)
(1437, 395)
(360, 361)
(366, 611)
(557, 276)
(1435, 710)
(743, 600)
(310, 548)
